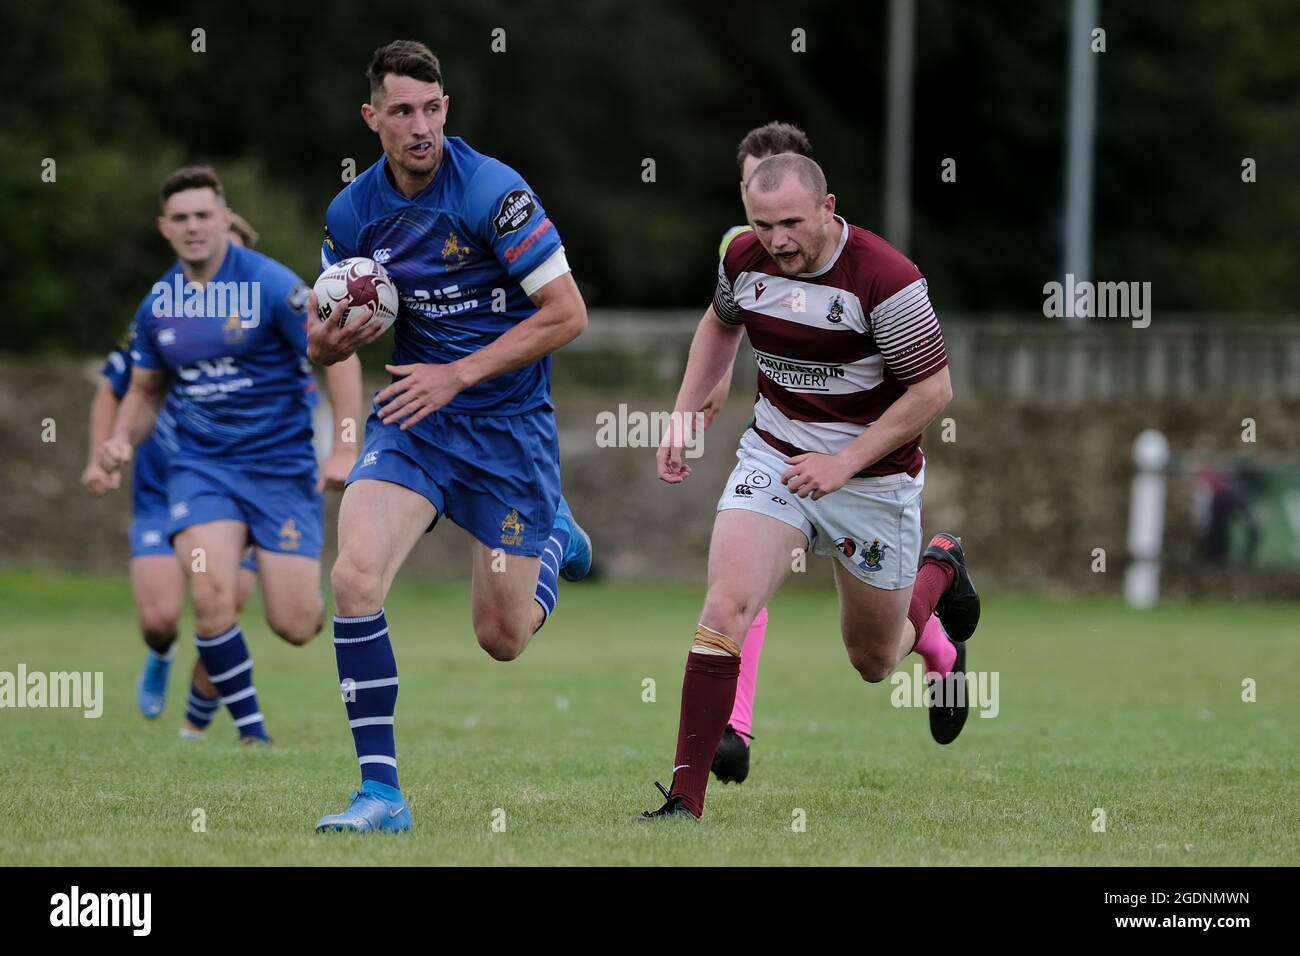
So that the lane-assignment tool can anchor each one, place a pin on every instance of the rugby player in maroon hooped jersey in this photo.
(852, 370)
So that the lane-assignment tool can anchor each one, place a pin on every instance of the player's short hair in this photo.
(245, 231)
(403, 58)
(773, 170)
(190, 177)
(772, 139)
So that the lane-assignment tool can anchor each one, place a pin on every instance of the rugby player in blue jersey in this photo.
(466, 428)
(157, 581)
(224, 332)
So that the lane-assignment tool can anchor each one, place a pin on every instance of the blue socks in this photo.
(548, 575)
(368, 680)
(230, 668)
(200, 710)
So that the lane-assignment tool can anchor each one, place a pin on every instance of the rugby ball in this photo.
(366, 283)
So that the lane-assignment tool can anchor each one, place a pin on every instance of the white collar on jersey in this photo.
(844, 238)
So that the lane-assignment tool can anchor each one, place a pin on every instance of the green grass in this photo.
(1139, 714)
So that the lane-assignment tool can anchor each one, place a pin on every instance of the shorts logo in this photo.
(382, 255)
(233, 329)
(290, 536)
(512, 529)
(872, 556)
(756, 479)
(453, 253)
(516, 209)
(835, 315)
(370, 459)
(744, 491)
(151, 538)
(180, 510)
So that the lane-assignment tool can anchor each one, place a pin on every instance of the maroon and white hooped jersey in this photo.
(836, 347)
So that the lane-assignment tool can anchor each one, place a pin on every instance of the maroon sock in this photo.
(708, 694)
(934, 578)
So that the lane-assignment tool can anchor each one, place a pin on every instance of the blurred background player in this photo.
(157, 580)
(467, 427)
(845, 338)
(224, 333)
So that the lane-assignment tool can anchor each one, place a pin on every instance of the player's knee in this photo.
(299, 624)
(873, 668)
(501, 640)
(159, 622)
(355, 587)
(211, 595)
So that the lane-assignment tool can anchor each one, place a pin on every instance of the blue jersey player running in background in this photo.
(224, 331)
(466, 429)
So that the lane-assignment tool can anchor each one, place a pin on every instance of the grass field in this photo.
(1138, 714)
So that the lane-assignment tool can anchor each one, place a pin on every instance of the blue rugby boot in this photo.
(376, 807)
(151, 689)
(576, 563)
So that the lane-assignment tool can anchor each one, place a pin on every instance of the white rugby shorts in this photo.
(872, 525)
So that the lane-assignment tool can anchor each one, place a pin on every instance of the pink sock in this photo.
(742, 712)
(934, 647)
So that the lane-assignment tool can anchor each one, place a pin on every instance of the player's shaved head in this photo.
(402, 58)
(772, 172)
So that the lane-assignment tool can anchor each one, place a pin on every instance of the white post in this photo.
(1146, 519)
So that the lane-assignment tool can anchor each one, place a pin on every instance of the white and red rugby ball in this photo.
(366, 283)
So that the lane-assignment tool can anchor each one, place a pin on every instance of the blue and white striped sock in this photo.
(548, 575)
(200, 710)
(230, 668)
(368, 680)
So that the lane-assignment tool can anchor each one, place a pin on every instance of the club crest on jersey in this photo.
(516, 209)
(512, 529)
(835, 314)
(290, 536)
(233, 330)
(453, 253)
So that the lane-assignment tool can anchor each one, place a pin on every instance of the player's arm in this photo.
(103, 409)
(712, 355)
(560, 318)
(136, 417)
(716, 399)
(818, 475)
(343, 386)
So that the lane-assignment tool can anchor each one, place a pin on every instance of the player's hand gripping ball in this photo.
(366, 283)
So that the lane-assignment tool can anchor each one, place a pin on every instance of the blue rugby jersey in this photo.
(243, 387)
(458, 252)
